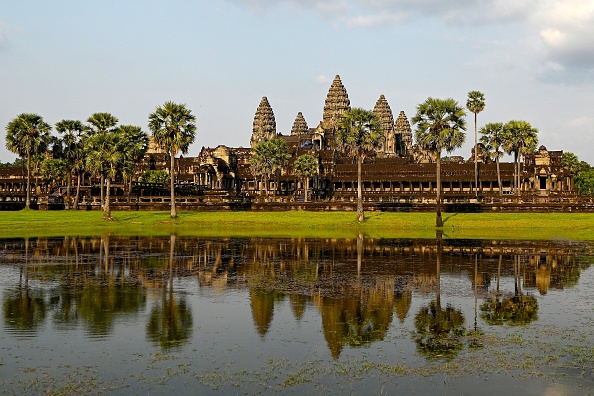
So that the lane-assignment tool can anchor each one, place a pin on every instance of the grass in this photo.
(31, 223)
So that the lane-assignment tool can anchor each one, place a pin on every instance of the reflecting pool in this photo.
(121, 315)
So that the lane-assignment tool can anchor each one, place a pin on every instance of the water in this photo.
(121, 315)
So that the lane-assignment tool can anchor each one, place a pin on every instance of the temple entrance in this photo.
(543, 183)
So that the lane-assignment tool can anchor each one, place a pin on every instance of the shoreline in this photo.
(301, 224)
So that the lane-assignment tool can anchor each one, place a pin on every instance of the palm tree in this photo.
(571, 162)
(174, 129)
(104, 156)
(520, 138)
(27, 135)
(135, 144)
(268, 158)
(306, 166)
(476, 104)
(99, 124)
(439, 126)
(359, 133)
(72, 132)
(493, 137)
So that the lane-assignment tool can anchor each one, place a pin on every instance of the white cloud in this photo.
(380, 19)
(322, 79)
(582, 122)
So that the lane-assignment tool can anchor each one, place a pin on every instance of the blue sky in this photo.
(533, 59)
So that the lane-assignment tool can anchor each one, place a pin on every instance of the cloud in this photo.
(566, 29)
(556, 36)
(322, 79)
(582, 122)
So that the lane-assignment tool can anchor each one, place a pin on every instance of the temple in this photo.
(398, 174)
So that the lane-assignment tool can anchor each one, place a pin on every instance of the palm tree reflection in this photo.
(170, 320)
(514, 309)
(438, 331)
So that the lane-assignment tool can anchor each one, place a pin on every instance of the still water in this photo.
(140, 315)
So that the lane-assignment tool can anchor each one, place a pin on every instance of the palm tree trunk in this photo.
(28, 196)
(306, 186)
(438, 219)
(77, 190)
(68, 190)
(475, 159)
(106, 211)
(172, 184)
(498, 176)
(360, 214)
(102, 191)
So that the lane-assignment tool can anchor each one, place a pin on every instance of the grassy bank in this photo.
(571, 226)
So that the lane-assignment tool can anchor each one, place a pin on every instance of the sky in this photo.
(533, 60)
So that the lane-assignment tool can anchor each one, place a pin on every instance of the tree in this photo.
(104, 156)
(571, 162)
(359, 134)
(134, 147)
(54, 169)
(520, 138)
(476, 104)
(493, 137)
(174, 129)
(27, 135)
(269, 158)
(306, 166)
(155, 176)
(99, 124)
(439, 126)
(72, 140)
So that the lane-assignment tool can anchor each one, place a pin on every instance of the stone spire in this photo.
(264, 123)
(299, 126)
(337, 103)
(384, 113)
(403, 134)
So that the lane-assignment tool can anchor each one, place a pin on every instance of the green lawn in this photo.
(571, 226)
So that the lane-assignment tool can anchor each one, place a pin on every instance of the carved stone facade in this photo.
(299, 126)
(337, 103)
(386, 118)
(264, 123)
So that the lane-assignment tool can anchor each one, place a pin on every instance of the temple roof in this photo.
(264, 123)
(337, 102)
(299, 126)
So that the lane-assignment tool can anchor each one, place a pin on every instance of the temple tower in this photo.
(337, 103)
(384, 114)
(403, 136)
(264, 123)
(299, 126)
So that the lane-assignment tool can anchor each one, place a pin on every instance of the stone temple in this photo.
(399, 171)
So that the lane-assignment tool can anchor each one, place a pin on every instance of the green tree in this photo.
(155, 176)
(584, 182)
(571, 162)
(135, 145)
(104, 156)
(476, 104)
(174, 129)
(520, 138)
(268, 159)
(359, 134)
(440, 125)
(54, 169)
(493, 138)
(27, 135)
(100, 124)
(72, 138)
(306, 166)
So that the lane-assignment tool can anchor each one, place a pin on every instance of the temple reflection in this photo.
(356, 286)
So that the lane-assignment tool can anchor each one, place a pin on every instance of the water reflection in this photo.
(355, 287)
